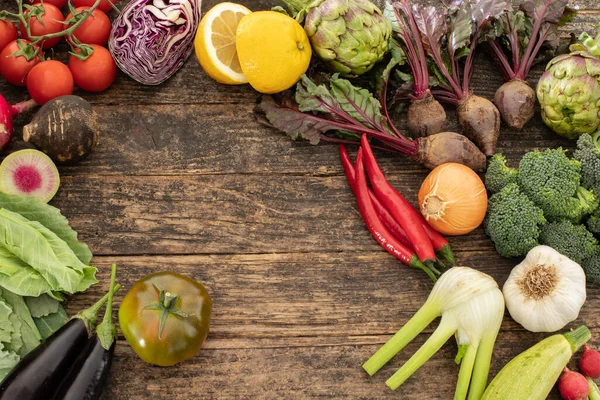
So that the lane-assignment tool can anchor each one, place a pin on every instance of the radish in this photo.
(589, 364)
(7, 113)
(515, 49)
(573, 386)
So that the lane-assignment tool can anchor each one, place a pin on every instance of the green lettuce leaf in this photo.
(19, 277)
(6, 328)
(29, 333)
(8, 360)
(41, 306)
(49, 324)
(40, 248)
(36, 210)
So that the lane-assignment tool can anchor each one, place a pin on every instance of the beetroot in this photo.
(480, 121)
(516, 102)
(573, 386)
(515, 50)
(445, 147)
(425, 117)
(589, 364)
(7, 113)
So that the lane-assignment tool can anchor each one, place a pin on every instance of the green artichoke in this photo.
(350, 36)
(569, 90)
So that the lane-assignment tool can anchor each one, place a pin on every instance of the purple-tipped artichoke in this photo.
(569, 90)
(151, 39)
(350, 36)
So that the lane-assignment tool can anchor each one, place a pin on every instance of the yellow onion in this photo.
(453, 199)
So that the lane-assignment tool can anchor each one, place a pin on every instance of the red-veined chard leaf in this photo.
(542, 11)
(432, 25)
(483, 11)
(460, 29)
(453, 4)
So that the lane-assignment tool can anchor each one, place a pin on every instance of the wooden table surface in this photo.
(186, 180)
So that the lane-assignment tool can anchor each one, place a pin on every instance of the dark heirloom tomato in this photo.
(165, 317)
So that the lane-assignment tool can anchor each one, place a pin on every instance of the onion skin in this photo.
(147, 45)
(453, 199)
(516, 102)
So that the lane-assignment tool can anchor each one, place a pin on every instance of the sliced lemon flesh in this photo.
(215, 43)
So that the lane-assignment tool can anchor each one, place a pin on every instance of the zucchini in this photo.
(532, 374)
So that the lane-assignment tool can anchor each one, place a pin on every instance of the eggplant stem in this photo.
(90, 315)
(106, 331)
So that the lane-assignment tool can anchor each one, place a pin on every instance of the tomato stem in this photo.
(166, 305)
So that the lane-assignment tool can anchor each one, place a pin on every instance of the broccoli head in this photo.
(591, 266)
(573, 241)
(593, 222)
(513, 222)
(588, 154)
(552, 181)
(498, 174)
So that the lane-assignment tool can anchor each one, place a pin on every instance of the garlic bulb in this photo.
(546, 291)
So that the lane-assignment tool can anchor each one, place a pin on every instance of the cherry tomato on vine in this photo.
(48, 80)
(165, 317)
(57, 3)
(8, 33)
(95, 29)
(15, 68)
(96, 73)
(51, 18)
(104, 5)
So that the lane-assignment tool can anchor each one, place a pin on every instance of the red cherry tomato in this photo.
(8, 33)
(48, 80)
(95, 73)
(57, 3)
(95, 29)
(52, 18)
(15, 68)
(104, 5)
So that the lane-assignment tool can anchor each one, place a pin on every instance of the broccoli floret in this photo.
(588, 154)
(593, 222)
(513, 222)
(573, 241)
(498, 174)
(552, 181)
(591, 266)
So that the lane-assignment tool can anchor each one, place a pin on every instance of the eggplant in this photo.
(40, 372)
(87, 377)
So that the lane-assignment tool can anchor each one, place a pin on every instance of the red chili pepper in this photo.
(388, 221)
(402, 211)
(375, 226)
(440, 244)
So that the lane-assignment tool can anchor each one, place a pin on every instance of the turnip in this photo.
(29, 173)
(573, 386)
(426, 116)
(451, 34)
(524, 32)
(7, 113)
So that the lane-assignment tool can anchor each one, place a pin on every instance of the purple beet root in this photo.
(425, 117)
(516, 102)
(480, 121)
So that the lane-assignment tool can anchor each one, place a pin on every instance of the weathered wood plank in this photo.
(317, 295)
(300, 326)
(224, 214)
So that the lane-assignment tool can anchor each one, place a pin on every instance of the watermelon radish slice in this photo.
(29, 173)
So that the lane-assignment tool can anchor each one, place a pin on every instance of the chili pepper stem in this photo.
(106, 330)
(416, 263)
(90, 315)
(446, 253)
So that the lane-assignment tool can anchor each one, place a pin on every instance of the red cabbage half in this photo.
(151, 39)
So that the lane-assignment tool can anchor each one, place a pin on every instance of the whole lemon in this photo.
(273, 50)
